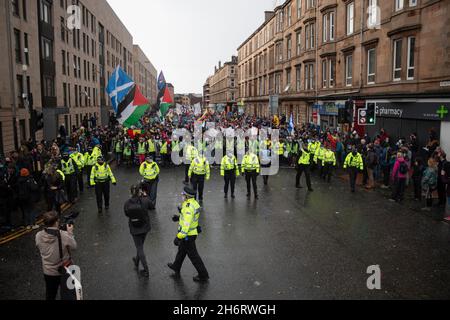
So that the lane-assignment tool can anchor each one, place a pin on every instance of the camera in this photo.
(68, 220)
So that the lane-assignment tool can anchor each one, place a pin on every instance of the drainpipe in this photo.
(11, 67)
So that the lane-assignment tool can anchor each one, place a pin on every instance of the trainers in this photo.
(144, 273)
(232, 196)
(199, 279)
(170, 265)
(136, 262)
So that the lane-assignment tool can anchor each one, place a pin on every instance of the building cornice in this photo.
(404, 29)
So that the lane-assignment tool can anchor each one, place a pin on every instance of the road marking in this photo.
(23, 231)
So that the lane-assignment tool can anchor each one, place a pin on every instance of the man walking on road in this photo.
(354, 163)
(229, 169)
(251, 169)
(149, 170)
(101, 177)
(188, 231)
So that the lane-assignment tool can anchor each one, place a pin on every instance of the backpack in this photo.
(403, 169)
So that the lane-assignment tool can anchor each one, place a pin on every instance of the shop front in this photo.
(401, 118)
(327, 112)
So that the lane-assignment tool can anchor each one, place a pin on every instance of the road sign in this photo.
(362, 117)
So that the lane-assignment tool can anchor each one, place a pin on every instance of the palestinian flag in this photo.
(166, 103)
(132, 108)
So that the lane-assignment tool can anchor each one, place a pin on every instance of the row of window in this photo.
(22, 56)
(284, 19)
(328, 71)
(82, 96)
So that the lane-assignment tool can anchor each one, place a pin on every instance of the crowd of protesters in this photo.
(31, 173)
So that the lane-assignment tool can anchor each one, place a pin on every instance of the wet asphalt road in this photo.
(288, 245)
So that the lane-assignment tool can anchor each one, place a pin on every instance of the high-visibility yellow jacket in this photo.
(118, 146)
(68, 167)
(305, 159)
(229, 164)
(97, 151)
(141, 148)
(313, 146)
(79, 159)
(354, 161)
(329, 158)
(163, 148)
(151, 146)
(319, 155)
(191, 153)
(90, 159)
(200, 167)
(149, 171)
(250, 163)
(188, 224)
(101, 173)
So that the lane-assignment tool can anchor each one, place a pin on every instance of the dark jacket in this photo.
(136, 209)
(26, 189)
(446, 178)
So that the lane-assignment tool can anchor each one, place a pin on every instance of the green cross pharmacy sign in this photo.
(442, 112)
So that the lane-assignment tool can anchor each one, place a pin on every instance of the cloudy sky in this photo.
(187, 38)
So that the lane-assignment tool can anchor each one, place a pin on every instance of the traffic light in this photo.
(371, 114)
(38, 120)
(348, 112)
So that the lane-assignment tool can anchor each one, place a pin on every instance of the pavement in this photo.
(290, 245)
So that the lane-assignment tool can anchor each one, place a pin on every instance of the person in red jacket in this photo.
(399, 176)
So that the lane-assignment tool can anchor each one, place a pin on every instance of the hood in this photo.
(47, 238)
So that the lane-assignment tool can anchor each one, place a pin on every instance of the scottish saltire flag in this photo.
(161, 81)
(291, 125)
(118, 87)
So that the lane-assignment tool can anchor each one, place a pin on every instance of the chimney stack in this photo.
(269, 15)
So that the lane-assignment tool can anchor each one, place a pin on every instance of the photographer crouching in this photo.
(55, 246)
(136, 209)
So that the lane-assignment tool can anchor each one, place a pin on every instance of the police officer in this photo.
(229, 169)
(89, 160)
(313, 146)
(191, 154)
(127, 153)
(118, 150)
(329, 161)
(70, 170)
(319, 159)
(164, 151)
(79, 161)
(149, 170)
(151, 147)
(251, 169)
(353, 162)
(199, 171)
(303, 166)
(141, 149)
(101, 176)
(188, 231)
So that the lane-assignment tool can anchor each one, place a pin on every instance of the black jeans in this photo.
(417, 187)
(151, 187)
(71, 186)
(198, 184)
(302, 168)
(386, 175)
(353, 173)
(399, 189)
(52, 284)
(139, 241)
(250, 178)
(88, 174)
(102, 191)
(186, 172)
(80, 180)
(188, 248)
(327, 171)
(230, 180)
